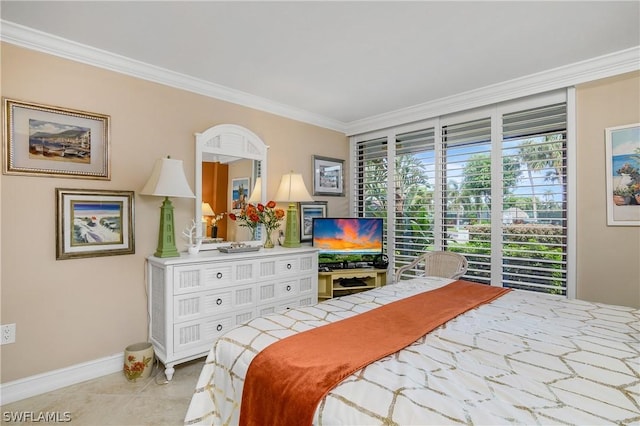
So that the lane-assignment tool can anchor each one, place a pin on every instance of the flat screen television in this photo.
(347, 240)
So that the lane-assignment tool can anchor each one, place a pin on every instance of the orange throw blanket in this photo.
(287, 380)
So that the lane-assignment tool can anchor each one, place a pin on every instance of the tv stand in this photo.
(341, 282)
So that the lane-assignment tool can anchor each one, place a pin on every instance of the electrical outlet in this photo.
(8, 334)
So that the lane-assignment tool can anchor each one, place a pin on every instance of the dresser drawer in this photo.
(214, 302)
(274, 290)
(199, 277)
(191, 334)
(285, 304)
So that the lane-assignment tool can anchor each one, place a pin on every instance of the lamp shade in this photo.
(168, 180)
(207, 210)
(256, 194)
(292, 189)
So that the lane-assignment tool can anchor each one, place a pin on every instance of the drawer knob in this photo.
(288, 266)
(219, 301)
(219, 327)
(219, 275)
(288, 288)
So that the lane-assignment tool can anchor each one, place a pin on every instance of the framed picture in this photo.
(92, 223)
(328, 176)
(42, 140)
(623, 175)
(307, 212)
(240, 188)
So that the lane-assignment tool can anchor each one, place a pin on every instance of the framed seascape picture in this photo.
(308, 211)
(92, 223)
(328, 176)
(623, 175)
(42, 140)
(240, 188)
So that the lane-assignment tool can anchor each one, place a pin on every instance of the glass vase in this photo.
(268, 242)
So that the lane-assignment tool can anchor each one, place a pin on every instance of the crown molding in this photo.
(616, 63)
(566, 76)
(47, 43)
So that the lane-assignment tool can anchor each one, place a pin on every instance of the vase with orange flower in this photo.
(270, 217)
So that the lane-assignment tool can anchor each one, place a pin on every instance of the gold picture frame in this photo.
(91, 223)
(44, 140)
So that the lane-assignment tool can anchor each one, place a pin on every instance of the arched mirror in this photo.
(229, 154)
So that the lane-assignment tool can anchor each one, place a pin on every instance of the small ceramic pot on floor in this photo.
(138, 361)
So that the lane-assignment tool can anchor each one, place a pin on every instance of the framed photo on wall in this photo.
(43, 140)
(240, 192)
(308, 211)
(92, 223)
(328, 176)
(623, 175)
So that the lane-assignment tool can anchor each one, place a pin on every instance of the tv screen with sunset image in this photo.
(347, 239)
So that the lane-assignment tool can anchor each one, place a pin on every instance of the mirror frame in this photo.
(227, 143)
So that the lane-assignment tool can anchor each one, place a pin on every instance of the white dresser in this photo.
(195, 298)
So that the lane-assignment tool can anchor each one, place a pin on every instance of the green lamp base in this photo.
(166, 236)
(292, 228)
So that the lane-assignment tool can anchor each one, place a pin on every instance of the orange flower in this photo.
(253, 215)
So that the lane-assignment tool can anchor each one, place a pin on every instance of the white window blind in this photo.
(534, 225)
(370, 178)
(466, 224)
(413, 189)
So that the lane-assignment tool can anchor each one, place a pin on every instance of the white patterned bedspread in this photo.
(522, 359)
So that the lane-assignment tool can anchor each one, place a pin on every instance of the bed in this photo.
(524, 358)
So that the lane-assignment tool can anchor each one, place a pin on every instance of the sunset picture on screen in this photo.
(355, 235)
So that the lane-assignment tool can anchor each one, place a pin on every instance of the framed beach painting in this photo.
(92, 223)
(43, 140)
(308, 211)
(623, 175)
(328, 176)
(240, 188)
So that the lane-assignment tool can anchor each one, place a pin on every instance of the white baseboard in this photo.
(56, 379)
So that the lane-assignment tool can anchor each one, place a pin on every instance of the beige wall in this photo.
(608, 256)
(72, 311)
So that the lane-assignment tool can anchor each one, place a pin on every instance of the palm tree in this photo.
(534, 157)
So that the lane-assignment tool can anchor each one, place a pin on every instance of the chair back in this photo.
(443, 264)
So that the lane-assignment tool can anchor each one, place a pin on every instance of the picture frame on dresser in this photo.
(51, 141)
(308, 211)
(92, 223)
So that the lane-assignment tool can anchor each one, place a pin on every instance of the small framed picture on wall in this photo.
(328, 176)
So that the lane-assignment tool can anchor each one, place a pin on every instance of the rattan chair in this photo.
(443, 264)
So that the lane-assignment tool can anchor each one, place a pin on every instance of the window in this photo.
(491, 185)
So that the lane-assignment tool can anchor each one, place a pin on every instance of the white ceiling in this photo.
(345, 61)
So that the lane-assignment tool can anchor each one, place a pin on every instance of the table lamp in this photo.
(206, 211)
(256, 194)
(167, 180)
(292, 190)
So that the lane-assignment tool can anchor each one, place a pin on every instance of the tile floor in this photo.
(112, 400)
